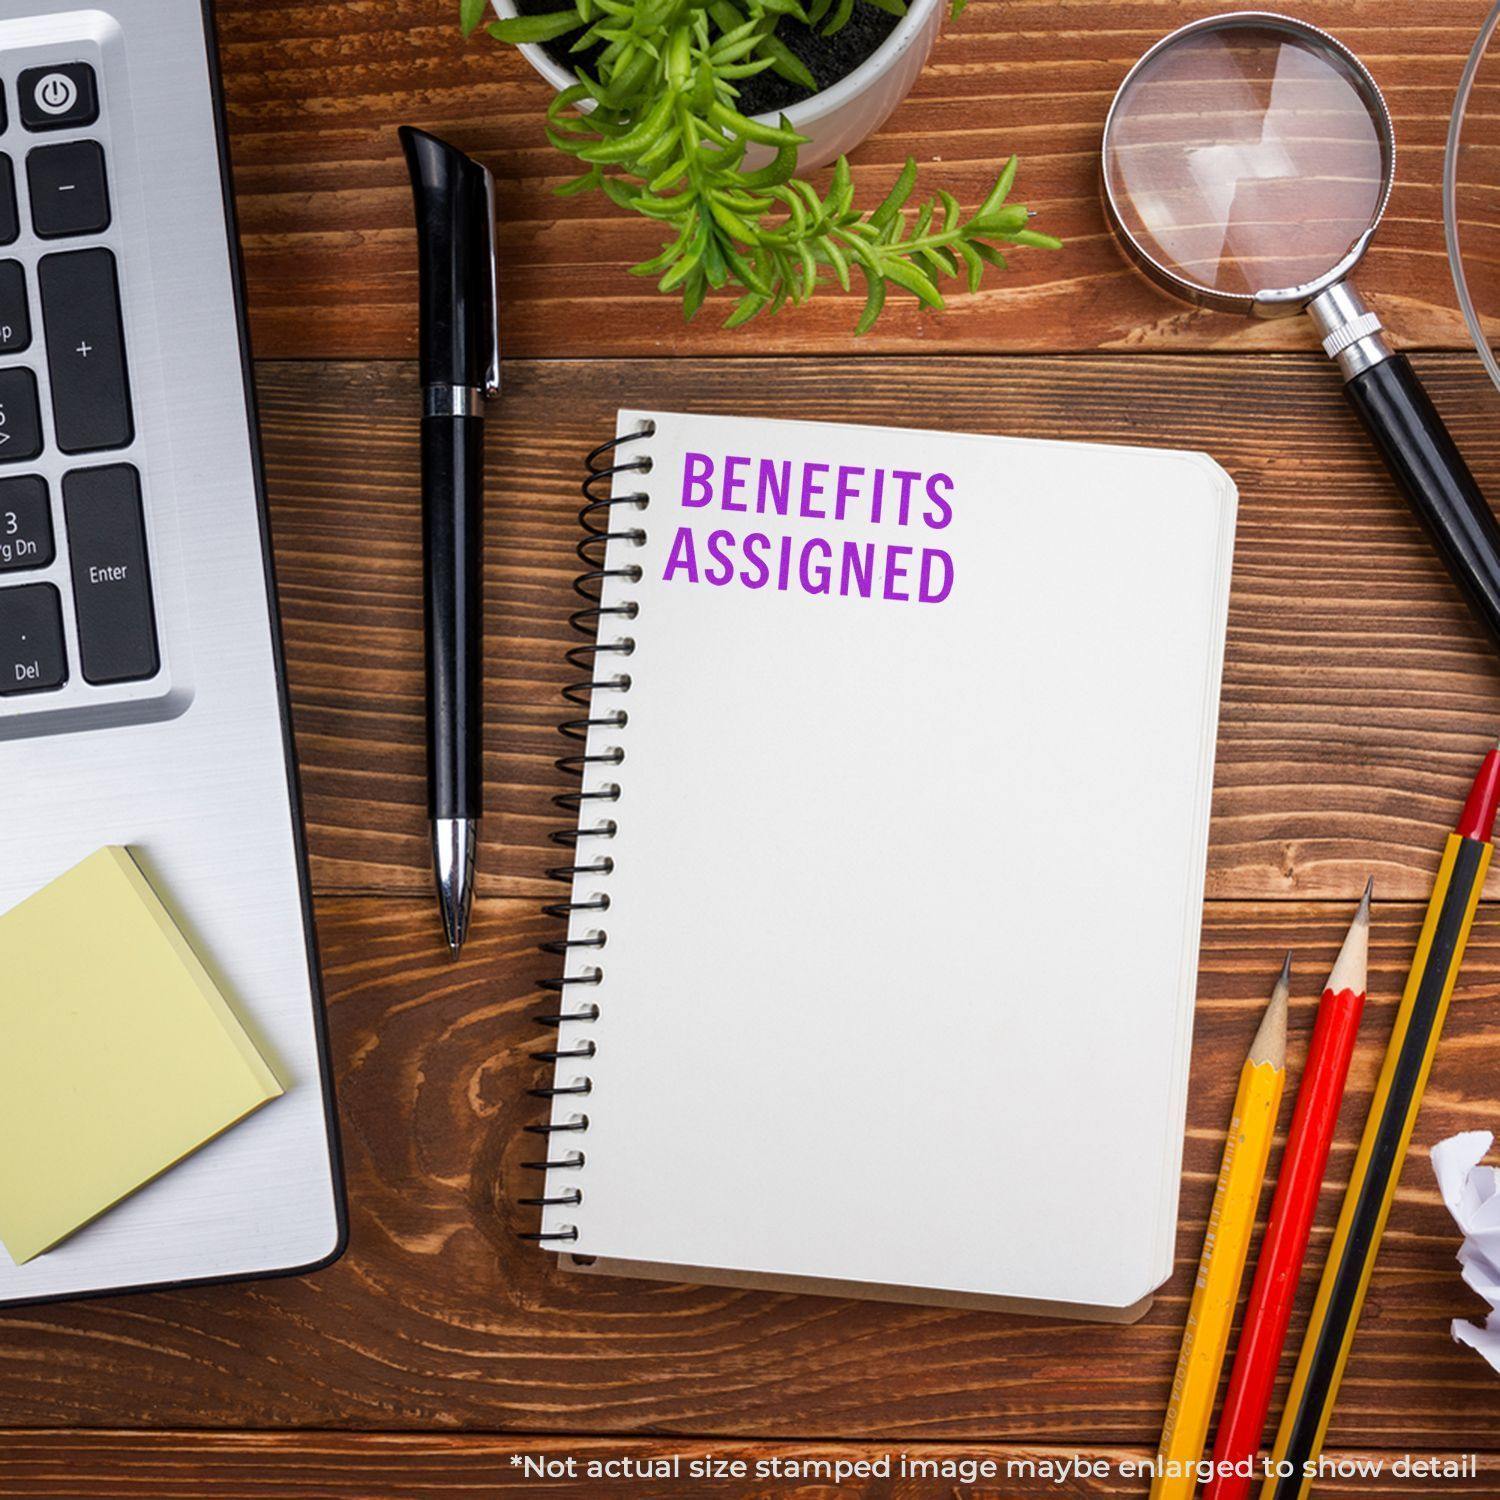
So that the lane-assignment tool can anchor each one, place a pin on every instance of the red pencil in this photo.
(1292, 1208)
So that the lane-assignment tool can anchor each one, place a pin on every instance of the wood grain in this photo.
(390, 1466)
(1357, 698)
(316, 91)
(438, 1318)
(1358, 695)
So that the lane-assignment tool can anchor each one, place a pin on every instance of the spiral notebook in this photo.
(889, 863)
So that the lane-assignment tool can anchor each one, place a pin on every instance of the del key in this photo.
(86, 351)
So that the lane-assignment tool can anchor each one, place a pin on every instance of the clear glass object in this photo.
(1247, 156)
(1471, 194)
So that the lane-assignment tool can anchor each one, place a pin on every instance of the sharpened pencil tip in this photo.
(1351, 967)
(1269, 1045)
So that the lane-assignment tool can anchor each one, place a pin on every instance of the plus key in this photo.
(86, 351)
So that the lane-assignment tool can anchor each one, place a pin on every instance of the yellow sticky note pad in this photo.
(118, 1054)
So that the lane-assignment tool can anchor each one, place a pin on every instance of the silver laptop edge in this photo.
(193, 767)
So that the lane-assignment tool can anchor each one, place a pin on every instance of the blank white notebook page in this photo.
(908, 859)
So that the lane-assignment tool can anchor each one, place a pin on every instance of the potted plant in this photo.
(695, 113)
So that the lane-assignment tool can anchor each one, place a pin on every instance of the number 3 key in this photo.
(25, 524)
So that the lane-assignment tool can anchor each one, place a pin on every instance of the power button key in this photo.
(59, 96)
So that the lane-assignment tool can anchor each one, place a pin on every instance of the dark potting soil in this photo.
(827, 58)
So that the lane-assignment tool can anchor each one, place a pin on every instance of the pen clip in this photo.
(492, 374)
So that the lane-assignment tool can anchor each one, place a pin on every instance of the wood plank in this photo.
(439, 1317)
(1358, 695)
(315, 93)
(398, 1466)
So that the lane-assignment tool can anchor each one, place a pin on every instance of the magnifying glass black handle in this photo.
(1426, 463)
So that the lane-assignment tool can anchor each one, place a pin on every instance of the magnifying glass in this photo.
(1247, 161)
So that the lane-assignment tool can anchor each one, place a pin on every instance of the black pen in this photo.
(460, 358)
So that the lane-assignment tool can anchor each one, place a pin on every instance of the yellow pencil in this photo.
(1225, 1248)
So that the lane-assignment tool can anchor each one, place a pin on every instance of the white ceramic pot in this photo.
(838, 119)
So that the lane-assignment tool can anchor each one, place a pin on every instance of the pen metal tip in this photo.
(455, 920)
(454, 844)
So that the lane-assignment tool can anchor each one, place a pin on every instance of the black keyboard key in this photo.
(25, 524)
(58, 96)
(86, 351)
(32, 655)
(10, 215)
(15, 311)
(20, 417)
(69, 193)
(111, 576)
(4, 113)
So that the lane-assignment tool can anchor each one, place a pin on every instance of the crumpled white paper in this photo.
(1472, 1193)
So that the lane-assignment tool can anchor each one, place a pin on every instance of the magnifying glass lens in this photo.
(1246, 159)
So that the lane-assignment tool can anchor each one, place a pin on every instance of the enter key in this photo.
(111, 574)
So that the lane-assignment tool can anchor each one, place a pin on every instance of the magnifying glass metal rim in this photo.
(1271, 302)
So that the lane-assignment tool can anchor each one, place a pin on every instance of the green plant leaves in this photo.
(777, 171)
(1001, 190)
(840, 263)
(746, 308)
(746, 129)
(653, 123)
(840, 190)
(905, 274)
(786, 62)
(895, 200)
(840, 18)
(874, 302)
(1035, 240)
(541, 28)
(969, 254)
(641, 139)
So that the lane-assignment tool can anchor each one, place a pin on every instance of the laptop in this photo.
(142, 690)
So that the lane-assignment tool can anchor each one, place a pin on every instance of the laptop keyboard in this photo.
(76, 599)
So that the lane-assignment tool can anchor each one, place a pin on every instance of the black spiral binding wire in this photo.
(597, 520)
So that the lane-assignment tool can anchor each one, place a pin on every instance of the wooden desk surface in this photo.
(1357, 699)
